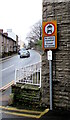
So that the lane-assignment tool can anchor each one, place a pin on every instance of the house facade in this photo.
(7, 44)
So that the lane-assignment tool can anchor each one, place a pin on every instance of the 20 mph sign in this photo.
(49, 35)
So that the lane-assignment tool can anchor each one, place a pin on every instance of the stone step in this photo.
(27, 95)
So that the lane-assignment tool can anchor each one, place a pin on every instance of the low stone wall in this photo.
(26, 96)
(59, 11)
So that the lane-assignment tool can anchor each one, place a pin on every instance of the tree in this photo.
(36, 32)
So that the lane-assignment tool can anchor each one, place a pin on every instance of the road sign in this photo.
(49, 35)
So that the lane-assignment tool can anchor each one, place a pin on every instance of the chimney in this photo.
(1, 30)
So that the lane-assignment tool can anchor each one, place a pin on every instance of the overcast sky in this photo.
(19, 15)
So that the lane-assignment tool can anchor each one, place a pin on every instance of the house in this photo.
(7, 44)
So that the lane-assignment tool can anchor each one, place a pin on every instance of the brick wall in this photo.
(59, 11)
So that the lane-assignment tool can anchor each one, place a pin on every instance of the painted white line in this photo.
(7, 68)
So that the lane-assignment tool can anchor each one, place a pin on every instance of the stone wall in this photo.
(29, 96)
(59, 11)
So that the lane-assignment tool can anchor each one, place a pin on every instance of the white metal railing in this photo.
(30, 74)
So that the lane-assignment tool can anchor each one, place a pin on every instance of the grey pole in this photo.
(50, 72)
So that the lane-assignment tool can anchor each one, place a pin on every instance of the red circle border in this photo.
(45, 26)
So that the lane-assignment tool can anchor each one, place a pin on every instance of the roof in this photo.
(7, 37)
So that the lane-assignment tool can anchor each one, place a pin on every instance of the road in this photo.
(9, 66)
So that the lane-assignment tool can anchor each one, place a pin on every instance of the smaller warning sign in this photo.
(49, 42)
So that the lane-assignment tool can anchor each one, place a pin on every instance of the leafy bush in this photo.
(39, 43)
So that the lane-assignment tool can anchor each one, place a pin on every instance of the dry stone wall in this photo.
(60, 11)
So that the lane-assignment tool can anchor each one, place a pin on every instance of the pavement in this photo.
(56, 115)
(22, 114)
(51, 115)
(2, 59)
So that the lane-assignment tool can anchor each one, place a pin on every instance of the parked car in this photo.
(24, 53)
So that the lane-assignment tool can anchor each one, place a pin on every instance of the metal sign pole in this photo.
(50, 42)
(50, 70)
(50, 75)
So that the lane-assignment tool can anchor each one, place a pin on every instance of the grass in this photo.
(39, 43)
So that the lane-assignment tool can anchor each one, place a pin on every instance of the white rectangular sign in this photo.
(49, 55)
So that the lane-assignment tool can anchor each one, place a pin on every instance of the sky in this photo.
(20, 15)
